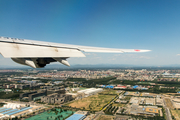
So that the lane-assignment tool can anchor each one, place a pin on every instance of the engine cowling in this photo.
(26, 61)
(39, 62)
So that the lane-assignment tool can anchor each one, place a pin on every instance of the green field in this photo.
(94, 102)
(105, 117)
(118, 105)
(51, 115)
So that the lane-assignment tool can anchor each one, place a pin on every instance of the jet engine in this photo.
(39, 62)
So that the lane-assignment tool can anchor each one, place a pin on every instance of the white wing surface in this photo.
(37, 54)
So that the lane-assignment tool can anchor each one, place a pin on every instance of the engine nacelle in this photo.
(25, 61)
(39, 62)
(34, 62)
(63, 61)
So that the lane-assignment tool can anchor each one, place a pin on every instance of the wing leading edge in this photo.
(37, 54)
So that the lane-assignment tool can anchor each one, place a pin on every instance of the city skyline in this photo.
(122, 24)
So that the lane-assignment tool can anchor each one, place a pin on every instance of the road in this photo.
(168, 114)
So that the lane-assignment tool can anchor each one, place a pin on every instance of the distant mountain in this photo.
(91, 66)
(76, 66)
(109, 66)
(172, 65)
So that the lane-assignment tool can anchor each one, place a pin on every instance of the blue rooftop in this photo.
(135, 86)
(9, 111)
(12, 113)
(76, 117)
(4, 110)
(109, 86)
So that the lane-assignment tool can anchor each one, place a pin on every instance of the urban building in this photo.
(35, 95)
(32, 95)
(22, 95)
(56, 98)
(51, 89)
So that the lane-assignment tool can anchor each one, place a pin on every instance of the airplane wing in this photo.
(37, 54)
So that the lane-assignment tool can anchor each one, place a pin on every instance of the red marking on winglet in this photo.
(137, 50)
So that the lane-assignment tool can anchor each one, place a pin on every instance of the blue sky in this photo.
(129, 24)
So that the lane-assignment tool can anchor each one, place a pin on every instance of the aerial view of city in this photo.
(32, 94)
(89, 60)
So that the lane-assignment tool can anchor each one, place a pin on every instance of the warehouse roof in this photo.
(76, 117)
